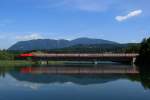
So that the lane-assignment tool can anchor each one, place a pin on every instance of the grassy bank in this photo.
(6, 63)
(15, 63)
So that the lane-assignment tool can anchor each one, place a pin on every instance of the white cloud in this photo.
(29, 37)
(129, 15)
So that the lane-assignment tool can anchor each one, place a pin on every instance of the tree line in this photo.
(8, 55)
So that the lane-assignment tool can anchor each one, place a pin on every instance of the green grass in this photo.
(7, 63)
(15, 63)
(50, 62)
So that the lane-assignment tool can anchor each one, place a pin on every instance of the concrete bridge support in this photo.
(95, 62)
(133, 60)
(43, 62)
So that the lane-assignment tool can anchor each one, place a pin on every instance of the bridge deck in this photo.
(86, 55)
(126, 57)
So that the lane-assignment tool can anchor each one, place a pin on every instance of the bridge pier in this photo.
(95, 62)
(44, 62)
(133, 60)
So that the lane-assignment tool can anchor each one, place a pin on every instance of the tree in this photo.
(144, 53)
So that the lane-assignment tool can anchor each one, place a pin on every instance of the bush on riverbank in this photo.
(8, 55)
(5, 55)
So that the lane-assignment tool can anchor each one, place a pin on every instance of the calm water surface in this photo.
(51, 83)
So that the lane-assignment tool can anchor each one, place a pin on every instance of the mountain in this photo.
(88, 41)
(48, 44)
(39, 44)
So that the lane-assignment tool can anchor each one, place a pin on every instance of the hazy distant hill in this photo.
(48, 44)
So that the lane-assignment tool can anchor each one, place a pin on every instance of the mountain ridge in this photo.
(48, 44)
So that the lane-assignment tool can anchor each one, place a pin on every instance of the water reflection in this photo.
(145, 76)
(74, 82)
(78, 74)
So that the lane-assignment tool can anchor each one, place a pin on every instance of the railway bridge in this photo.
(114, 57)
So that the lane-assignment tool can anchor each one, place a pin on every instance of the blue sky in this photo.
(117, 20)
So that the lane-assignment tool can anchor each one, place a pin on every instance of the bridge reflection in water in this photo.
(81, 70)
(82, 75)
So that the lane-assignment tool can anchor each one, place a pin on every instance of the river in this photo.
(74, 82)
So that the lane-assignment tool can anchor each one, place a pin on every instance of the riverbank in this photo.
(7, 63)
(4, 63)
